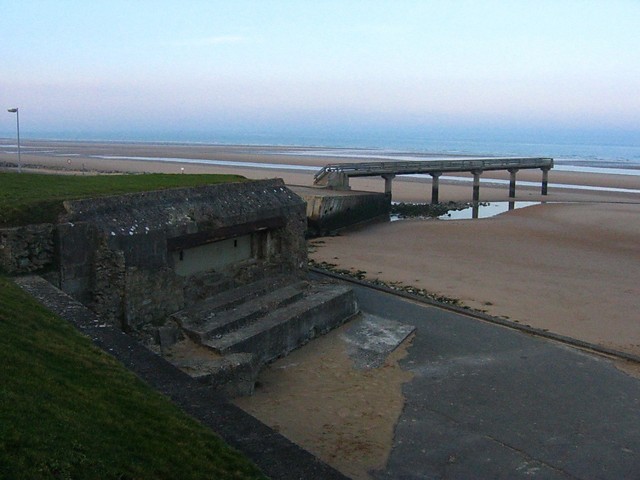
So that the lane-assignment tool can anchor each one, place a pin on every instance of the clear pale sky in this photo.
(104, 66)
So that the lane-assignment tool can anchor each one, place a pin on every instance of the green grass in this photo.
(69, 411)
(36, 198)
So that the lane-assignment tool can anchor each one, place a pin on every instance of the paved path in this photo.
(490, 402)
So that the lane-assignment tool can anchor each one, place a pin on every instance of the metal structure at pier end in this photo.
(336, 176)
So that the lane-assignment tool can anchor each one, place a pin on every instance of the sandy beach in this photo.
(571, 269)
(570, 266)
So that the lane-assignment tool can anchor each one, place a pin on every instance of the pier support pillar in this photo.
(545, 180)
(476, 184)
(435, 176)
(512, 182)
(338, 181)
(388, 179)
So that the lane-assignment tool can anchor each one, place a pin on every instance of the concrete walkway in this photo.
(490, 402)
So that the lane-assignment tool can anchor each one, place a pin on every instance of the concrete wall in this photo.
(27, 249)
(329, 211)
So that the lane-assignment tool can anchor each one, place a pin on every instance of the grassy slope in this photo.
(35, 198)
(67, 410)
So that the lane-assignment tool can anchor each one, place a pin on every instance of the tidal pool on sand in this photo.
(477, 210)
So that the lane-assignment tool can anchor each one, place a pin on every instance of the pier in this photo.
(336, 176)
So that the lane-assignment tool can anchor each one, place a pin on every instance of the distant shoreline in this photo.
(296, 165)
(579, 155)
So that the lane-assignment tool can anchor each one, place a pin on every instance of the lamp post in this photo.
(15, 110)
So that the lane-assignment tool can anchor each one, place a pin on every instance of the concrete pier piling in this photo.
(512, 182)
(388, 179)
(476, 185)
(435, 185)
(545, 179)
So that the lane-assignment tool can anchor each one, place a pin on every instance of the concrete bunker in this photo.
(136, 258)
(217, 273)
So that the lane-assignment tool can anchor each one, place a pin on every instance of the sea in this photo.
(624, 153)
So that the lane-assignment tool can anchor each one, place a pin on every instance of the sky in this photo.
(79, 68)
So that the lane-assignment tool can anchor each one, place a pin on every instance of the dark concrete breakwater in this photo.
(333, 210)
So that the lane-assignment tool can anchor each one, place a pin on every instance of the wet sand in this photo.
(343, 415)
(571, 268)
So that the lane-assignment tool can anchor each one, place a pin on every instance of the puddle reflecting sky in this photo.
(485, 210)
(481, 210)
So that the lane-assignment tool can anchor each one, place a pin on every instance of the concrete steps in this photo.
(219, 316)
(203, 286)
(254, 324)
(282, 330)
(229, 295)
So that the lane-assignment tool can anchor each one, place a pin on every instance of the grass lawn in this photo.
(68, 410)
(36, 198)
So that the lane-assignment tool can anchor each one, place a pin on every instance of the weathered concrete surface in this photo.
(236, 308)
(322, 308)
(26, 249)
(333, 210)
(372, 338)
(263, 321)
(267, 319)
(233, 375)
(276, 456)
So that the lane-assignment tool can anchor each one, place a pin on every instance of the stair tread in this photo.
(232, 297)
(317, 295)
(245, 313)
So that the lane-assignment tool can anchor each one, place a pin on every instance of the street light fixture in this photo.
(15, 110)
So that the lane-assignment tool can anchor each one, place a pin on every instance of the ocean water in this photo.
(573, 154)
(582, 151)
